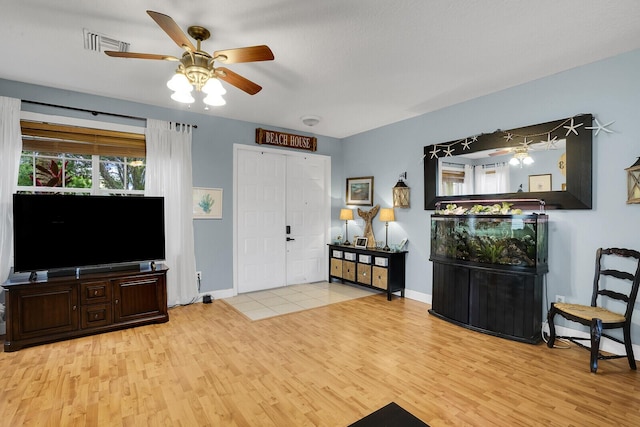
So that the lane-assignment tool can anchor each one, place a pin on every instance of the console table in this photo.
(59, 308)
(377, 269)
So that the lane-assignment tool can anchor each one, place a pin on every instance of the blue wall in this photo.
(609, 89)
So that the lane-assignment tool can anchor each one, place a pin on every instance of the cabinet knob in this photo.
(74, 308)
(116, 301)
(95, 292)
(95, 316)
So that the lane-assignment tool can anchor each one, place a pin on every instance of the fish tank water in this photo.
(516, 242)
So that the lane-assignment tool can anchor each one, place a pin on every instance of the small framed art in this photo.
(539, 183)
(207, 203)
(360, 191)
(361, 242)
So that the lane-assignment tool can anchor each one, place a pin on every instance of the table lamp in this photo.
(346, 215)
(386, 215)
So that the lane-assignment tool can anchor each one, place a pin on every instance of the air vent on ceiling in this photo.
(97, 42)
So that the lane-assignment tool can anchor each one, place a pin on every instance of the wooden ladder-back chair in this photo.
(596, 316)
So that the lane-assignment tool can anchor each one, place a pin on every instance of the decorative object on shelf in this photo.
(368, 228)
(386, 215)
(401, 193)
(633, 182)
(360, 242)
(360, 191)
(289, 140)
(496, 209)
(562, 164)
(346, 215)
(539, 183)
(207, 203)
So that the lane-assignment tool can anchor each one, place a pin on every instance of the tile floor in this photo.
(289, 299)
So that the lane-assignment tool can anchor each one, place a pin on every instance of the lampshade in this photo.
(213, 87)
(387, 214)
(346, 214)
(184, 97)
(179, 83)
(214, 100)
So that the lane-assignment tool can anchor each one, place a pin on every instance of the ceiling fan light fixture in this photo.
(214, 100)
(179, 83)
(527, 160)
(183, 97)
(213, 87)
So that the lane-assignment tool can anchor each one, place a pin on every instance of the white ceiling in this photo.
(358, 64)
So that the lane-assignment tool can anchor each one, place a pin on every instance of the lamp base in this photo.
(386, 248)
(346, 243)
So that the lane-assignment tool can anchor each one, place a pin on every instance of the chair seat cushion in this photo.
(587, 312)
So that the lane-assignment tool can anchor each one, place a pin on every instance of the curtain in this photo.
(481, 181)
(502, 178)
(467, 185)
(10, 150)
(169, 174)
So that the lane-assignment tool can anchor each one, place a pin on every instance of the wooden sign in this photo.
(281, 139)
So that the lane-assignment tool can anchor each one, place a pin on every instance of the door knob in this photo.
(289, 239)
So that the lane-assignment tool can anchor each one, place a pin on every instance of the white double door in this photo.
(282, 218)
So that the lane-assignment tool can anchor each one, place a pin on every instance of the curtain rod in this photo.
(93, 112)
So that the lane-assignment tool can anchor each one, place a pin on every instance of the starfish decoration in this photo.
(550, 142)
(434, 152)
(474, 138)
(600, 127)
(526, 143)
(448, 152)
(572, 127)
(508, 137)
(465, 144)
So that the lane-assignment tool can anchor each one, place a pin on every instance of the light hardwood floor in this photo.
(327, 366)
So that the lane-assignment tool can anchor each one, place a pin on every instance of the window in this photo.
(452, 182)
(71, 159)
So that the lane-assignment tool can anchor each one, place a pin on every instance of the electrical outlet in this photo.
(198, 276)
(559, 298)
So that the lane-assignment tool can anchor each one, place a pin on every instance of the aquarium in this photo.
(509, 241)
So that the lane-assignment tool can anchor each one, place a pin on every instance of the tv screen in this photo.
(53, 231)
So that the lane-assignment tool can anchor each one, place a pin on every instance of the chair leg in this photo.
(629, 346)
(596, 333)
(552, 328)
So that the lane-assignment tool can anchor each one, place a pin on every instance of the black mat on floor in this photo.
(391, 415)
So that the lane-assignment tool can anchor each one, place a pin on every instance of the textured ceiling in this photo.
(358, 64)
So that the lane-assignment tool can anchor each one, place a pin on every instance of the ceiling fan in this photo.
(196, 67)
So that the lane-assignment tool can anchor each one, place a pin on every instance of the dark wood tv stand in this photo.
(59, 308)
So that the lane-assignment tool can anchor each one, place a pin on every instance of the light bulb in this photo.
(528, 160)
(514, 161)
(214, 100)
(179, 83)
(184, 97)
(213, 87)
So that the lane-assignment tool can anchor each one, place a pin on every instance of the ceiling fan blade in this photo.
(244, 54)
(237, 80)
(172, 29)
(118, 54)
(500, 152)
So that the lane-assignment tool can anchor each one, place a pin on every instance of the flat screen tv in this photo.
(61, 232)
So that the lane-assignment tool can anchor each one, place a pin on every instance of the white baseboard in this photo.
(224, 293)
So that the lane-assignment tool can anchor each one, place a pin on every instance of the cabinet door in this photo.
(508, 304)
(41, 311)
(380, 277)
(364, 274)
(349, 270)
(139, 297)
(336, 267)
(451, 291)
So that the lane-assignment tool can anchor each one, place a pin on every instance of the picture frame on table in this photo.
(361, 242)
(360, 191)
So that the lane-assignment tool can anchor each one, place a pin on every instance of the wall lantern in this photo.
(633, 182)
(401, 193)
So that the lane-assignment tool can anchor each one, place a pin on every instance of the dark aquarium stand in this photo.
(488, 272)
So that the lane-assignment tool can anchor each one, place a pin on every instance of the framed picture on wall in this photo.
(540, 183)
(207, 203)
(360, 191)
